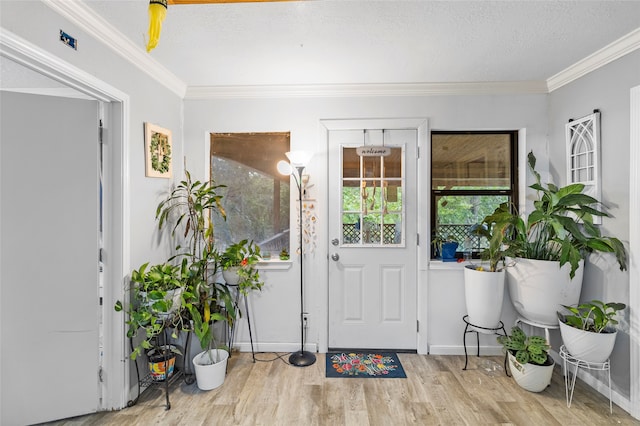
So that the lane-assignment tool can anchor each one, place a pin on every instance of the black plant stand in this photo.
(475, 328)
(233, 327)
(146, 381)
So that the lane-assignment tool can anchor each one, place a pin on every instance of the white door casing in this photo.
(115, 198)
(373, 267)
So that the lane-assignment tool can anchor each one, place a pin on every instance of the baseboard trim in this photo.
(274, 347)
(471, 350)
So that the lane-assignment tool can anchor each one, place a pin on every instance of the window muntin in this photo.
(256, 197)
(471, 174)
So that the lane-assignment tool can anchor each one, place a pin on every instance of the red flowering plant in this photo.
(243, 258)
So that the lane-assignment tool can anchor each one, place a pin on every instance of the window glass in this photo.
(372, 203)
(256, 197)
(472, 173)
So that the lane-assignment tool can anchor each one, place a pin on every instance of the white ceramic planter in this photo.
(173, 295)
(231, 276)
(210, 376)
(531, 377)
(587, 345)
(484, 293)
(538, 287)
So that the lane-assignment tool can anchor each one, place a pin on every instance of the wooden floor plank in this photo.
(436, 392)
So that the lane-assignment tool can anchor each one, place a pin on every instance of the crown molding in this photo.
(85, 18)
(365, 90)
(623, 46)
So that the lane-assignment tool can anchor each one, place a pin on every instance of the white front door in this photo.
(49, 258)
(372, 239)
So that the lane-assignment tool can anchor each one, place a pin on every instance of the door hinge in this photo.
(100, 375)
(417, 326)
(100, 133)
(418, 153)
(417, 239)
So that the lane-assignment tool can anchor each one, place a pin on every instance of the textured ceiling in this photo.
(347, 42)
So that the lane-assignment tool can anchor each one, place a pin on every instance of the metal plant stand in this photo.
(570, 377)
(484, 330)
(233, 327)
(147, 381)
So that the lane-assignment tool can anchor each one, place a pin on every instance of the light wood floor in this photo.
(436, 392)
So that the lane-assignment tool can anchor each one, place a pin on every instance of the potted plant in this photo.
(548, 248)
(529, 360)
(484, 284)
(155, 298)
(211, 364)
(445, 248)
(588, 331)
(238, 264)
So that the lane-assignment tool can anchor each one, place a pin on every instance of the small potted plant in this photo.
(529, 360)
(445, 248)
(238, 264)
(284, 254)
(588, 331)
(155, 300)
(210, 365)
(484, 284)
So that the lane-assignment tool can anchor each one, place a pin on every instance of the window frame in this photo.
(435, 193)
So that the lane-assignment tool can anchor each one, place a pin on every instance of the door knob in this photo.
(335, 257)
(335, 241)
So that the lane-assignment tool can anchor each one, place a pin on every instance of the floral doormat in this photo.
(356, 364)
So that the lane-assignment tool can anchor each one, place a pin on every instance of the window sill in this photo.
(447, 266)
(274, 265)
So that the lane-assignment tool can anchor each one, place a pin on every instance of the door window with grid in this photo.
(372, 203)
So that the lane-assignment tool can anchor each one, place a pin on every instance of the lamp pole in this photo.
(301, 358)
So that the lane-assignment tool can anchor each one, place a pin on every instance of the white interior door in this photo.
(372, 232)
(48, 257)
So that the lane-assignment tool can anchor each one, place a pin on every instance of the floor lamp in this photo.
(297, 162)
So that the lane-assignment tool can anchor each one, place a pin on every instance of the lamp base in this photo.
(302, 359)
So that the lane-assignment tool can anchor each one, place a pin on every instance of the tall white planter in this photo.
(531, 377)
(587, 345)
(484, 293)
(210, 376)
(538, 287)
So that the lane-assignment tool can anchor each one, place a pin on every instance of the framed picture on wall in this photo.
(157, 148)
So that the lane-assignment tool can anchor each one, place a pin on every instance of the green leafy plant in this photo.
(149, 310)
(188, 210)
(559, 228)
(594, 316)
(494, 232)
(243, 256)
(284, 254)
(526, 349)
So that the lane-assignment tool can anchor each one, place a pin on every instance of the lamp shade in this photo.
(299, 158)
(284, 168)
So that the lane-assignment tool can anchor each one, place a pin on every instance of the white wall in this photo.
(606, 89)
(275, 310)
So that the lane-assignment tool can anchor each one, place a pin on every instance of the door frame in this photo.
(420, 125)
(116, 104)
